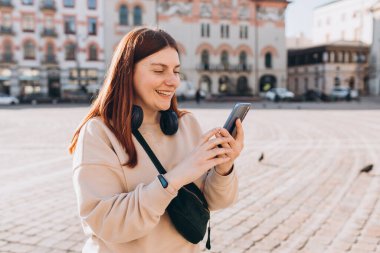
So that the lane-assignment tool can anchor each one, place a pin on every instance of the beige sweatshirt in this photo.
(122, 210)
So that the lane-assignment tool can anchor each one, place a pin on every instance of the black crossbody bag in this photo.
(188, 211)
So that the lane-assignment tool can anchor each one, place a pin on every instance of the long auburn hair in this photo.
(115, 100)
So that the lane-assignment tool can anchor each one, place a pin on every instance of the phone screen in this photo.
(240, 110)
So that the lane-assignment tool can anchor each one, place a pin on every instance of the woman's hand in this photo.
(204, 156)
(236, 145)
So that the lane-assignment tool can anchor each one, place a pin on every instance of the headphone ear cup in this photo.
(169, 122)
(137, 117)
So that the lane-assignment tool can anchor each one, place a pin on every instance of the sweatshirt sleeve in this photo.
(220, 191)
(105, 207)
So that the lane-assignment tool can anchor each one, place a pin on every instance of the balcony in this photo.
(49, 32)
(6, 3)
(6, 30)
(48, 5)
(7, 58)
(49, 60)
(224, 68)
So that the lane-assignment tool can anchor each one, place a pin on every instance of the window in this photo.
(137, 16)
(91, 4)
(70, 51)
(205, 30)
(28, 22)
(7, 54)
(93, 53)
(27, 2)
(243, 60)
(6, 20)
(50, 56)
(123, 15)
(69, 24)
(224, 59)
(29, 50)
(68, 3)
(243, 32)
(268, 60)
(205, 59)
(224, 31)
(92, 26)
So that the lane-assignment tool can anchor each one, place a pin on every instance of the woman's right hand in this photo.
(203, 157)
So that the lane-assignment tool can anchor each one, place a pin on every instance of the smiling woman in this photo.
(123, 200)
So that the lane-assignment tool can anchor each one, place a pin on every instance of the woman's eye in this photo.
(158, 71)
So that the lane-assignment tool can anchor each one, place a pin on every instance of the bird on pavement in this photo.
(367, 168)
(261, 157)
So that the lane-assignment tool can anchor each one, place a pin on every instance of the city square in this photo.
(308, 194)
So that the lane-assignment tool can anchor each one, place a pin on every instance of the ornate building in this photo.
(226, 46)
(325, 66)
(51, 47)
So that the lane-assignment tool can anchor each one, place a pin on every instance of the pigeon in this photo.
(261, 157)
(367, 168)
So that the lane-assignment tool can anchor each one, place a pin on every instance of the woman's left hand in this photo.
(236, 145)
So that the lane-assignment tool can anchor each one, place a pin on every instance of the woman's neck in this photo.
(151, 117)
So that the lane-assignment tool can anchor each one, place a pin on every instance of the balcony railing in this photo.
(49, 32)
(48, 5)
(49, 59)
(7, 58)
(6, 3)
(226, 68)
(6, 30)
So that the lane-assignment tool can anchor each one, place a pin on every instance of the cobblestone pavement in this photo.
(307, 195)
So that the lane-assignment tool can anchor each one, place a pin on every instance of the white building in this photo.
(343, 20)
(50, 46)
(227, 46)
(374, 70)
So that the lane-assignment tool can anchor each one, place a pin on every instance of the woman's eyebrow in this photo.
(164, 65)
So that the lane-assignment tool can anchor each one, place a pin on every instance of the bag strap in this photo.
(149, 151)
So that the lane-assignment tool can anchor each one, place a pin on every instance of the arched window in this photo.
(50, 57)
(70, 51)
(137, 16)
(8, 54)
(243, 60)
(205, 59)
(29, 50)
(224, 58)
(123, 15)
(268, 60)
(93, 53)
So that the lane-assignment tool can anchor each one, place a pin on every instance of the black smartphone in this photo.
(239, 111)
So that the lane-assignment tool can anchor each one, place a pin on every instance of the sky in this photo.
(299, 17)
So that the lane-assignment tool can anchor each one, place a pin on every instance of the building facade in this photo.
(374, 69)
(343, 20)
(327, 66)
(51, 47)
(226, 46)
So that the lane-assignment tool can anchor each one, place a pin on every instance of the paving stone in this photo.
(306, 194)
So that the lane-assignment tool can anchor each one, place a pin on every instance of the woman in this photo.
(121, 200)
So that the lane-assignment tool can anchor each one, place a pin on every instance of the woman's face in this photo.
(155, 80)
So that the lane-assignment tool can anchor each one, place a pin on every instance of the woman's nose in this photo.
(172, 80)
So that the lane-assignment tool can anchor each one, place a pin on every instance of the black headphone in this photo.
(168, 120)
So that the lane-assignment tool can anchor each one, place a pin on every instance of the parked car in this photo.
(38, 98)
(315, 95)
(6, 99)
(276, 94)
(341, 93)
